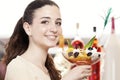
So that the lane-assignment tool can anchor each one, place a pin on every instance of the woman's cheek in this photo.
(60, 31)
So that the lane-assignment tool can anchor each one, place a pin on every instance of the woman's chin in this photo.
(51, 45)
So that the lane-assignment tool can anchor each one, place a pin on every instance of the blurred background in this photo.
(87, 13)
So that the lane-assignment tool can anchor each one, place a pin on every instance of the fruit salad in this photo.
(81, 54)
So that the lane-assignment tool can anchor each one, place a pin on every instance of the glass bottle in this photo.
(112, 56)
(77, 42)
(96, 67)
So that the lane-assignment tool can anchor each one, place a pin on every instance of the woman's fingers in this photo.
(79, 72)
(85, 72)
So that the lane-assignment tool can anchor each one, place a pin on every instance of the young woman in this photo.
(27, 55)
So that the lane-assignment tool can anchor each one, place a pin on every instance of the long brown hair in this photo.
(19, 41)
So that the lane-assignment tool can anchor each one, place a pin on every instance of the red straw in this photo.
(113, 25)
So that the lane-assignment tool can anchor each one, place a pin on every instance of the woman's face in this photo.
(46, 27)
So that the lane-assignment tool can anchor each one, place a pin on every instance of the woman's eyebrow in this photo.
(59, 19)
(45, 17)
(50, 18)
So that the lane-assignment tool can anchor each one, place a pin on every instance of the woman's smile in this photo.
(52, 37)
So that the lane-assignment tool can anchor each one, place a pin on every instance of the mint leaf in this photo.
(89, 44)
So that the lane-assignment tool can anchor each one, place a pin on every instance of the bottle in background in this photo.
(112, 56)
(96, 67)
(77, 42)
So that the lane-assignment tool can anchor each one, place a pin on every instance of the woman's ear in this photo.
(27, 28)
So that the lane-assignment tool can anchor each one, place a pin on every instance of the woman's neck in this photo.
(37, 56)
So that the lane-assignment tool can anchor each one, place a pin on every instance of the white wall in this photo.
(88, 13)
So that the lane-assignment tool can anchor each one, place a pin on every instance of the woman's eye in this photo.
(44, 22)
(58, 23)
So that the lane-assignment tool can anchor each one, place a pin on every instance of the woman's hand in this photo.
(78, 73)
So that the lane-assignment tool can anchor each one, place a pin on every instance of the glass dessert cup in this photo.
(81, 56)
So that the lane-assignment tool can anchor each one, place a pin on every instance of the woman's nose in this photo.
(53, 28)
